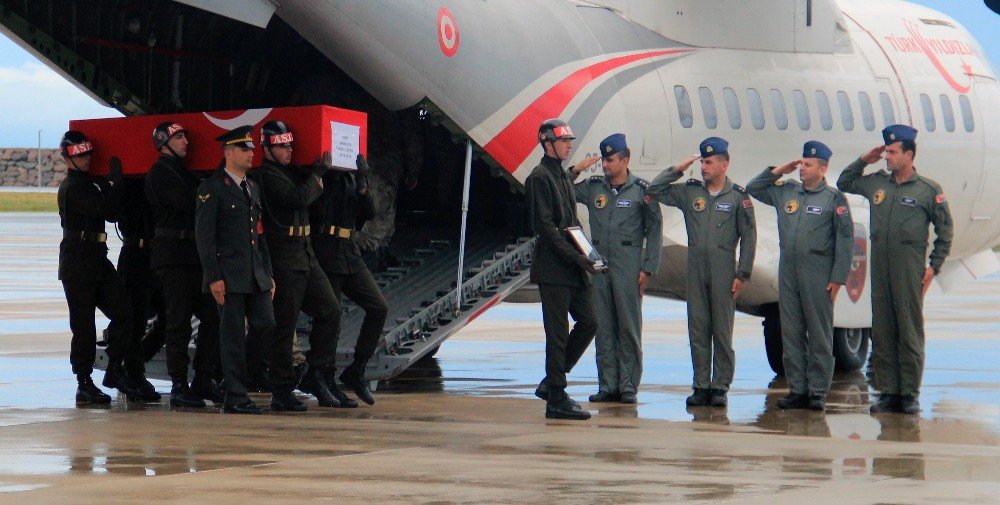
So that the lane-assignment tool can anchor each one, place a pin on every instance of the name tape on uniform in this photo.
(623, 204)
(812, 209)
(909, 202)
(724, 207)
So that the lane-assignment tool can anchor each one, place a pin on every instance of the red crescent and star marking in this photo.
(937, 63)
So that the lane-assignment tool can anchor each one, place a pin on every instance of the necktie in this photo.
(246, 191)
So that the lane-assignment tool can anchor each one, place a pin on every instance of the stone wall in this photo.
(19, 167)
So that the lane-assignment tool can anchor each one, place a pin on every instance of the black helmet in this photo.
(163, 132)
(553, 129)
(75, 143)
(275, 133)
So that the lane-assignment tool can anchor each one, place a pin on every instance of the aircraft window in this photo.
(887, 113)
(801, 109)
(778, 107)
(732, 108)
(846, 113)
(756, 109)
(966, 105)
(929, 121)
(867, 111)
(708, 108)
(684, 106)
(947, 113)
(825, 116)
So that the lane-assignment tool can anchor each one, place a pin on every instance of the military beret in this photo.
(816, 149)
(712, 146)
(898, 133)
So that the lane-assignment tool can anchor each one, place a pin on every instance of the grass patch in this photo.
(28, 202)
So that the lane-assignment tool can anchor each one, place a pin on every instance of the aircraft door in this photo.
(987, 101)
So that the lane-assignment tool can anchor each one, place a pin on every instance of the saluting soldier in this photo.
(560, 270)
(816, 235)
(300, 284)
(172, 192)
(342, 209)
(903, 205)
(719, 216)
(235, 260)
(621, 219)
(88, 277)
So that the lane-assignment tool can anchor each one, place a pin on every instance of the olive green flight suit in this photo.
(816, 236)
(619, 222)
(715, 225)
(900, 215)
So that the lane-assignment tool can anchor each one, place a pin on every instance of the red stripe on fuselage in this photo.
(512, 145)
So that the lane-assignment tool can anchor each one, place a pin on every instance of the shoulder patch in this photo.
(739, 188)
(643, 183)
(693, 182)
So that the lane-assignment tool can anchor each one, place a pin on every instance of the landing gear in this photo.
(850, 345)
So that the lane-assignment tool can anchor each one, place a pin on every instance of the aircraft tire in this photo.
(850, 348)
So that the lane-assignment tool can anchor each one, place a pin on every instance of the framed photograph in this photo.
(585, 246)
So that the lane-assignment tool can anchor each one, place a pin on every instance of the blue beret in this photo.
(898, 133)
(712, 146)
(816, 149)
(613, 144)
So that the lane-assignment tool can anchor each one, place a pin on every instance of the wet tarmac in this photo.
(464, 427)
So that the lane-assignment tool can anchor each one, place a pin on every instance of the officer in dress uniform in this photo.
(300, 284)
(719, 216)
(621, 218)
(903, 205)
(88, 277)
(560, 270)
(172, 190)
(816, 234)
(235, 261)
(342, 209)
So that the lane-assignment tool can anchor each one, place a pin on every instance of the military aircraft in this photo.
(667, 73)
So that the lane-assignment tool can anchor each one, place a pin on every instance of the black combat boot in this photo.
(88, 393)
(908, 404)
(604, 397)
(560, 406)
(314, 383)
(817, 402)
(182, 396)
(719, 398)
(356, 383)
(793, 401)
(630, 398)
(146, 392)
(115, 377)
(205, 387)
(699, 398)
(542, 391)
(284, 400)
(886, 403)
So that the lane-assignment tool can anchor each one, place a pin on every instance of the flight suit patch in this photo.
(814, 210)
(724, 207)
(623, 204)
(842, 210)
(698, 204)
(940, 198)
(747, 203)
(879, 197)
(601, 201)
(792, 207)
(909, 202)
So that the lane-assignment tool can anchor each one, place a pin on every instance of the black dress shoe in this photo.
(283, 400)
(565, 409)
(629, 398)
(542, 391)
(88, 393)
(793, 401)
(817, 402)
(908, 404)
(314, 383)
(182, 396)
(114, 377)
(604, 397)
(357, 384)
(886, 403)
(719, 398)
(699, 398)
(206, 388)
(146, 391)
(247, 407)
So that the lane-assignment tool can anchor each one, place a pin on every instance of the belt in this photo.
(171, 233)
(299, 231)
(624, 242)
(339, 232)
(85, 236)
(140, 243)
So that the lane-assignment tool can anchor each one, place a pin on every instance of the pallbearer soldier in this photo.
(719, 216)
(344, 206)
(236, 263)
(816, 234)
(172, 193)
(621, 218)
(560, 270)
(903, 204)
(88, 277)
(300, 284)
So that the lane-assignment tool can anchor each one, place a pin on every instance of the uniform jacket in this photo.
(551, 209)
(230, 236)
(619, 223)
(339, 206)
(171, 190)
(715, 224)
(85, 204)
(135, 224)
(900, 213)
(810, 223)
(287, 192)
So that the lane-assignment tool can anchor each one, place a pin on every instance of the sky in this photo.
(33, 98)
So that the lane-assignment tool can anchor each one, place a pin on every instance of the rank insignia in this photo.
(879, 197)
(204, 198)
(792, 207)
(601, 201)
(698, 204)
(779, 182)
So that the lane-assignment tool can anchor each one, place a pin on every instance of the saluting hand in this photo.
(643, 280)
(787, 168)
(686, 164)
(873, 156)
(925, 284)
(833, 288)
(218, 289)
(585, 164)
(737, 287)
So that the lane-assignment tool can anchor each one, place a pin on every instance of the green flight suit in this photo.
(619, 222)
(900, 215)
(816, 237)
(715, 225)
